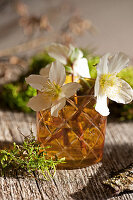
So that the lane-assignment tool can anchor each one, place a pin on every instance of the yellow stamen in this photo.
(53, 90)
(107, 80)
(110, 84)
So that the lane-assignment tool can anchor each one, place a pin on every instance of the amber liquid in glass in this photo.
(77, 133)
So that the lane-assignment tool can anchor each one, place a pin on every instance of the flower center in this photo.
(53, 90)
(107, 80)
(110, 84)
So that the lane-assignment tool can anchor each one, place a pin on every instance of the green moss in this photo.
(39, 61)
(15, 95)
(28, 158)
(127, 112)
(120, 111)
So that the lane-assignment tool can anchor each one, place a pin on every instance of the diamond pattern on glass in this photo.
(76, 134)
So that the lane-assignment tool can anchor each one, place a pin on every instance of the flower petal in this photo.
(81, 67)
(39, 102)
(56, 106)
(125, 94)
(57, 73)
(70, 89)
(36, 81)
(102, 67)
(97, 86)
(81, 55)
(101, 105)
(118, 62)
(45, 70)
(71, 49)
(59, 52)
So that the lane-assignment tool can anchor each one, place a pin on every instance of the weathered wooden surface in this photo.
(80, 184)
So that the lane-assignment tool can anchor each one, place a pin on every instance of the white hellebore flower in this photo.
(109, 85)
(53, 93)
(65, 54)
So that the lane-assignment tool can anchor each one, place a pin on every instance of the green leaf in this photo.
(92, 62)
(68, 69)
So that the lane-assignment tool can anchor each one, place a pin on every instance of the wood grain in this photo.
(80, 184)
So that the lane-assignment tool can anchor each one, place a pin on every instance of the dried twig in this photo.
(76, 26)
(31, 23)
(35, 44)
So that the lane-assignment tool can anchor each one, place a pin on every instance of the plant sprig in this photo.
(29, 158)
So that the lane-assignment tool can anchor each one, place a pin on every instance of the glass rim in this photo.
(90, 95)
